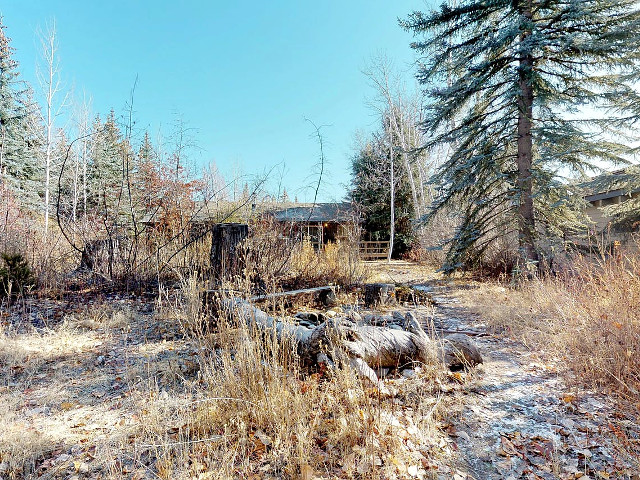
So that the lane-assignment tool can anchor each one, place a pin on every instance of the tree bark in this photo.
(526, 213)
(392, 190)
(379, 294)
(225, 258)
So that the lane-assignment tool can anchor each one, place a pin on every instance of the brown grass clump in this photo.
(588, 318)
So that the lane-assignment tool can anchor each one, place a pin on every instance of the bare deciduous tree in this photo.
(48, 73)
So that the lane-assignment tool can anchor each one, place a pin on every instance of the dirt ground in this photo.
(82, 377)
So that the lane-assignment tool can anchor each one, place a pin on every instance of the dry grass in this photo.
(336, 263)
(402, 272)
(93, 397)
(588, 319)
(42, 375)
(264, 415)
(275, 261)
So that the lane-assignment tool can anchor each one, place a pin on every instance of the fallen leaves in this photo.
(508, 448)
(260, 443)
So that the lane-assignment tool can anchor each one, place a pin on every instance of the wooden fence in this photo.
(377, 250)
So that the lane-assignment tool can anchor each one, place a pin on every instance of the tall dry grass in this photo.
(276, 261)
(588, 318)
(264, 415)
(336, 263)
(600, 309)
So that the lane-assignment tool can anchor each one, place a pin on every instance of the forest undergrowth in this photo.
(123, 385)
(119, 385)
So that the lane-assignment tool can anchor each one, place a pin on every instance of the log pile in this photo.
(364, 347)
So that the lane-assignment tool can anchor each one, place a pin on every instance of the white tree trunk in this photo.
(50, 83)
(48, 53)
(392, 189)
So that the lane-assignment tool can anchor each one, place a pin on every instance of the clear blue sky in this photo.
(243, 75)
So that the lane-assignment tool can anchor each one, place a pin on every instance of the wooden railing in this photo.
(370, 250)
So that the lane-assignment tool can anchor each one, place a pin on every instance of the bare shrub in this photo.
(336, 263)
(274, 260)
(431, 239)
(267, 253)
(494, 257)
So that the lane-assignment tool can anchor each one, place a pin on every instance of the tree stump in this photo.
(104, 255)
(226, 259)
(379, 294)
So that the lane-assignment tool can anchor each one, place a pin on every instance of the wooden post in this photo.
(226, 261)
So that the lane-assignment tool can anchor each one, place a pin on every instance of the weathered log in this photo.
(364, 347)
(326, 294)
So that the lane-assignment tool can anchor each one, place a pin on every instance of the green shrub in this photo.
(16, 276)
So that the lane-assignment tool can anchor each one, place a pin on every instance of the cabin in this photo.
(607, 190)
(320, 223)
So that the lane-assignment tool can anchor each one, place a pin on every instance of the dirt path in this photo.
(520, 420)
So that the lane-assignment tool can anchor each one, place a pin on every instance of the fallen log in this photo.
(463, 332)
(364, 347)
(325, 293)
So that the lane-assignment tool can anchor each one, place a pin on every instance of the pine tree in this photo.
(245, 192)
(105, 168)
(371, 191)
(18, 126)
(512, 86)
(147, 177)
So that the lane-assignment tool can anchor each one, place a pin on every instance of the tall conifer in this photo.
(523, 90)
(19, 142)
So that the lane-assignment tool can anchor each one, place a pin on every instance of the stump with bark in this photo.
(226, 259)
(376, 294)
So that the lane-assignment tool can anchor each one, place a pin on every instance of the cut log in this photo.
(460, 351)
(362, 346)
(326, 294)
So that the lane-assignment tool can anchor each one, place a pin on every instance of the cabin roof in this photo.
(320, 212)
(611, 184)
(223, 211)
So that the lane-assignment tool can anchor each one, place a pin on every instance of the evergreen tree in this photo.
(19, 124)
(512, 86)
(147, 185)
(245, 192)
(371, 191)
(105, 168)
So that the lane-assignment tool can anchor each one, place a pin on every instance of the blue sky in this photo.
(243, 76)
